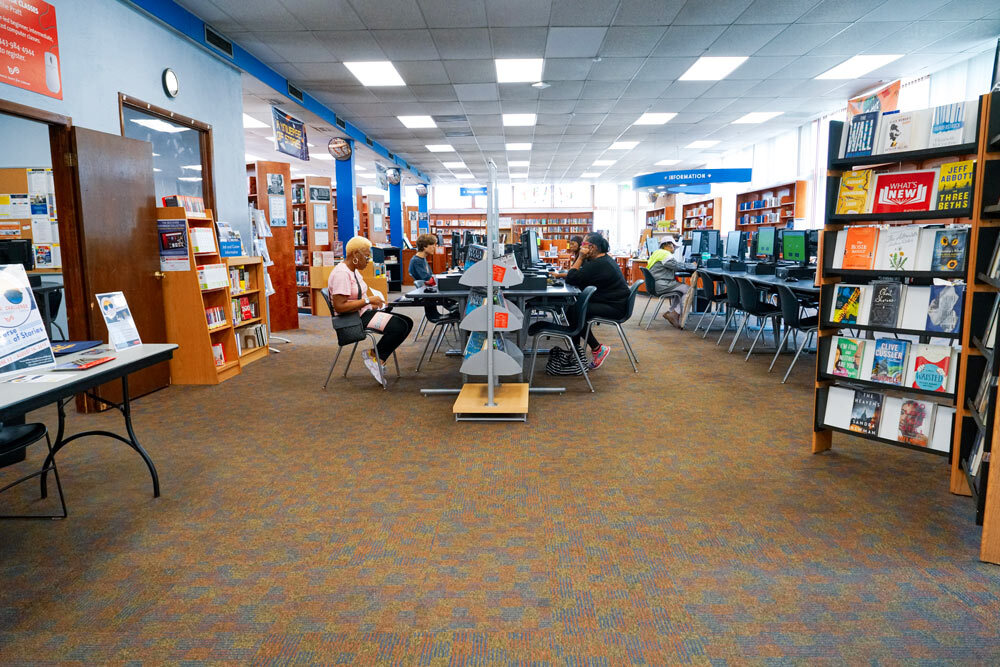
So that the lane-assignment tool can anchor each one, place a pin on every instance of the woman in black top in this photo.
(595, 267)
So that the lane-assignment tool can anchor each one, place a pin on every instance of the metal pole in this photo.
(491, 224)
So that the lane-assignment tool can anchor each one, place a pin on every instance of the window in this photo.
(532, 196)
(573, 195)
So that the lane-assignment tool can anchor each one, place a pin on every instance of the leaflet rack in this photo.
(488, 317)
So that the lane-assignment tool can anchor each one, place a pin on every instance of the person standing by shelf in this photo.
(594, 266)
(349, 294)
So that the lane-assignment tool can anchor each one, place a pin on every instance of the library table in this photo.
(19, 398)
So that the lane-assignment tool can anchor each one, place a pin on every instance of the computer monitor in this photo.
(17, 251)
(457, 250)
(793, 246)
(812, 245)
(711, 242)
(698, 243)
(764, 243)
(736, 244)
(652, 245)
(533, 243)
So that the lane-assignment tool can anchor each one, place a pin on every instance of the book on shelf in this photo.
(847, 357)
(219, 354)
(885, 309)
(893, 361)
(215, 316)
(889, 362)
(859, 253)
(994, 270)
(916, 419)
(871, 133)
(202, 240)
(936, 421)
(931, 367)
(847, 303)
(866, 412)
(243, 309)
(901, 248)
(990, 334)
(897, 247)
(954, 186)
(949, 248)
(975, 460)
(953, 124)
(250, 338)
(944, 309)
(902, 132)
(862, 133)
(194, 206)
(982, 400)
(855, 190)
(905, 191)
(212, 276)
(934, 308)
(947, 187)
(239, 279)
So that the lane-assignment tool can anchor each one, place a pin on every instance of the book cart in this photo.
(956, 422)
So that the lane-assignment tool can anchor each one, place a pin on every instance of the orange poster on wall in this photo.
(29, 46)
(882, 100)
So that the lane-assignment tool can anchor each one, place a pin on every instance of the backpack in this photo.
(562, 362)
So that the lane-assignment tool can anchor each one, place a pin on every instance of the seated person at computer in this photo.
(419, 268)
(663, 265)
(349, 294)
(573, 248)
(595, 267)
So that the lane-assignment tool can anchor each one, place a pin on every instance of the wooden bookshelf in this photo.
(446, 223)
(661, 221)
(184, 305)
(551, 225)
(283, 303)
(314, 223)
(705, 214)
(252, 289)
(776, 206)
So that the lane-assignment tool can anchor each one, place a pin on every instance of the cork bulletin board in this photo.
(28, 211)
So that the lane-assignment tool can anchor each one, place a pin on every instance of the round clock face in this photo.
(171, 86)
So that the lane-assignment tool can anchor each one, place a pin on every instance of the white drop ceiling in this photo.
(606, 62)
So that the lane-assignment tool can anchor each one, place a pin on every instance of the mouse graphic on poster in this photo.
(52, 72)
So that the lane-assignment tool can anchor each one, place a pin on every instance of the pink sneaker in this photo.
(600, 354)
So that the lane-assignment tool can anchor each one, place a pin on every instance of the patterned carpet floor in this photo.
(674, 516)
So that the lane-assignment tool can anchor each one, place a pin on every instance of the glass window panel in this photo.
(177, 163)
(573, 195)
(532, 196)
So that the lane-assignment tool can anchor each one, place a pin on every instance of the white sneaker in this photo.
(374, 367)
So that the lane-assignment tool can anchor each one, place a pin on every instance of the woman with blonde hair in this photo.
(350, 294)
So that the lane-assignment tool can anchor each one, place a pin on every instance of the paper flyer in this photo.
(24, 343)
(41, 229)
(279, 212)
(322, 238)
(122, 333)
(319, 216)
(173, 245)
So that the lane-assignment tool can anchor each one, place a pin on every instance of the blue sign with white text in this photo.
(468, 192)
(691, 177)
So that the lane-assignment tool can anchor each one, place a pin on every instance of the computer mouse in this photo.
(52, 72)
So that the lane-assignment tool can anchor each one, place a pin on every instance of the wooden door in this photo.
(112, 245)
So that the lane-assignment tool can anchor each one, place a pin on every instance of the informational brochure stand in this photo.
(488, 316)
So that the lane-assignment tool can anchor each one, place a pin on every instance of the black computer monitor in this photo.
(17, 251)
(533, 243)
(699, 243)
(457, 250)
(764, 243)
(812, 245)
(711, 241)
(736, 244)
(793, 246)
(652, 245)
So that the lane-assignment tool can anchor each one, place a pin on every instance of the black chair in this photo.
(753, 305)
(442, 321)
(791, 313)
(618, 325)
(732, 306)
(713, 300)
(564, 332)
(14, 440)
(650, 283)
(371, 336)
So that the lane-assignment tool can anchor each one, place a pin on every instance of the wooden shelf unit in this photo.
(307, 215)
(446, 223)
(779, 204)
(283, 303)
(662, 218)
(705, 214)
(184, 305)
(562, 226)
(978, 301)
(253, 289)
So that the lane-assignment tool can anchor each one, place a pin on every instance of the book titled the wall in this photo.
(902, 419)
(862, 134)
(901, 248)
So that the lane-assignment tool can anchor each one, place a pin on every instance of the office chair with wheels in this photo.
(564, 332)
(629, 352)
(732, 306)
(791, 312)
(369, 334)
(13, 441)
(754, 306)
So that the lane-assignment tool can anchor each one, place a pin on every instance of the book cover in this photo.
(995, 261)
(219, 354)
(955, 185)
(859, 251)
(991, 329)
(931, 365)
(861, 135)
(897, 248)
(848, 354)
(904, 191)
(855, 187)
(949, 249)
(900, 132)
(82, 364)
(916, 418)
(889, 363)
(944, 310)
(866, 412)
(947, 125)
(845, 304)
(884, 310)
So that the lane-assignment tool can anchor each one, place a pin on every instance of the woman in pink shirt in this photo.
(349, 294)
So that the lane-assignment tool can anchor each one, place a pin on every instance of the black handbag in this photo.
(349, 327)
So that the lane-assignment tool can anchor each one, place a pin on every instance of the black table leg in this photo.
(125, 408)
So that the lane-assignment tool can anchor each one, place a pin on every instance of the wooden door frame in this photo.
(206, 141)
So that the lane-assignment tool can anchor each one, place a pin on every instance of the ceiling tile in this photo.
(325, 74)
(563, 90)
(808, 67)
(567, 69)
(774, 87)
(518, 42)
(647, 12)
(687, 89)
(593, 106)
(433, 108)
(859, 37)
(394, 94)
(450, 14)
(556, 106)
(730, 88)
(481, 107)
(636, 106)
(389, 14)
(471, 71)
(518, 91)
(687, 40)
(800, 38)
(838, 11)
(295, 46)
(516, 13)
(918, 35)
(645, 89)
(422, 72)
(351, 45)
(434, 93)
(406, 44)
(574, 42)
(660, 69)
(894, 10)
(603, 90)
(743, 40)
(463, 44)
(477, 91)
(347, 95)
(761, 67)
(615, 69)
(325, 14)
(581, 13)
(974, 35)
(260, 16)
(717, 12)
(775, 11)
(631, 41)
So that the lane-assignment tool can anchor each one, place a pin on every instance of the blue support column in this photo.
(396, 215)
(345, 197)
(422, 222)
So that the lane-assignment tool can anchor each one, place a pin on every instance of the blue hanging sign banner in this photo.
(289, 135)
(468, 192)
(691, 177)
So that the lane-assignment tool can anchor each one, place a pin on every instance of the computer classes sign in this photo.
(468, 192)
(289, 134)
(666, 179)
(29, 46)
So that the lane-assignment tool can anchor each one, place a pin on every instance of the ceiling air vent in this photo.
(294, 93)
(392, 156)
(275, 101)
(323, 129)
(369, 141)
(456, 118)
(218, 41)
(459, 133)
(341, 123)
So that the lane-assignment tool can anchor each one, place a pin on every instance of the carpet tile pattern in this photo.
(676, 516)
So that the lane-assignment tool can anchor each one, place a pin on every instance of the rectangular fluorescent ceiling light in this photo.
(518, 163)
(757, 117)
(604, 163)
(158, 125)
(250, 122)
(463, 177)
(440, 148)
(455, 165)
(193, 179)
(667, 163)
(702, 143)
(519, 70)
(712, 68)
(518, 119)
(417, 122)
(377, 73)
(857, 66)
(518, 175)
(623, 145)
(589, 174)
(192, 167)
(519, 147)
(654, 118)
